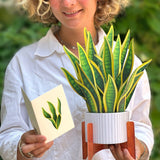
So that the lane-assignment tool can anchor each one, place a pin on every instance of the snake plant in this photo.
(54, 118)
(105, 80)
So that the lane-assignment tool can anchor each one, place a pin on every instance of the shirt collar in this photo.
(49, 44)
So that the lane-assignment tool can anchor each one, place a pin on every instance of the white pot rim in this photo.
(125, 112)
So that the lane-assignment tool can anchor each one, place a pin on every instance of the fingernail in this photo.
(111, 147)
(43, 138)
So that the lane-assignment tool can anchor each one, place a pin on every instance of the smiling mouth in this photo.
(71, 14)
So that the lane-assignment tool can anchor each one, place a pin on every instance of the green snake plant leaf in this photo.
(101, 97)
(128, 66)
(126, 96)
(117, 57)
(121, 105)
(85, 64)
(53, 122)
(53, 110)
(59, 106)
(90, 49)
(129, 96)
(90, 100)
(129, 85)
(132, 78)
(85, 36)
(138, 70)
(86, 82)
(110, 95)
(99, 63)
(73, 82)
(143, 66)
(135, 77)
(101, 51)
(98, 60)
(125, 48)
(99, 76)
(46, 114)
(58, 121)
(121, 89)
(110, 36)
(108, 63)
(118, 81)
(72, 57)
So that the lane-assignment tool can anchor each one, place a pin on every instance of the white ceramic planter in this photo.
(108, 128)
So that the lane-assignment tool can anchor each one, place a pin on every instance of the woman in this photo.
(37, 68)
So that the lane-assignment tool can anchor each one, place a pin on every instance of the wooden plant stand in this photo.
(89, 148)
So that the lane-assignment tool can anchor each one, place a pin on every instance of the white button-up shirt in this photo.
(37, 69)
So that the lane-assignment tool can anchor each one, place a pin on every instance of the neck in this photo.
(70, 37)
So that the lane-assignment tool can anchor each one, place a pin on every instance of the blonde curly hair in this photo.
(40, 10)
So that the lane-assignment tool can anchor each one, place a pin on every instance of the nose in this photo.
(68, 2)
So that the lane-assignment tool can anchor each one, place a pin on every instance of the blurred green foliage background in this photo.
(142, 17)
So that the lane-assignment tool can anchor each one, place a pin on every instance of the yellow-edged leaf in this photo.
(108, 63)
(85, 64)
(73, 82)
(86, 82)
(125, 48)
(91, 103)
(117, 57)
(110, 95)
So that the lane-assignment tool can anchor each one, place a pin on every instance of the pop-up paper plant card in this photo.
(49, 113)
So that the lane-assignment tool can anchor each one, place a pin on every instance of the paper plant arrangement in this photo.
(105, 80)
(54, 118)
(49, 113)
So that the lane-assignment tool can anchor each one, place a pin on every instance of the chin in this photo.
(75, 26)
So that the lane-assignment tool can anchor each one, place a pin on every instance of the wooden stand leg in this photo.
(89, 149)
(84, 143)
(90, 140)
(131, 139)
(130, 144)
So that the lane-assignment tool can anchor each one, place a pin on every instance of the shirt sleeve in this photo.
(139, 108)
(13, 117)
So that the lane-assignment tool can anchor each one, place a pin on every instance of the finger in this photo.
(26, 148)
(119, 151)
(31, 132)
(37, 149)
(127, 155)
(31, 137)
(113, 151)
(40, 151)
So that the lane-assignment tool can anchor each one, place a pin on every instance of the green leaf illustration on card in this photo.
(53, 117)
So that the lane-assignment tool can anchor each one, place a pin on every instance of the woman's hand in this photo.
(32, 144)
(124, 154)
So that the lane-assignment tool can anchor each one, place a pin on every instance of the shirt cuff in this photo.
(144, 133)
(8, 146)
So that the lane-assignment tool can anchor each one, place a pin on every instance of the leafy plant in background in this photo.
(54, 118)
(15, 31)
(104, 80)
